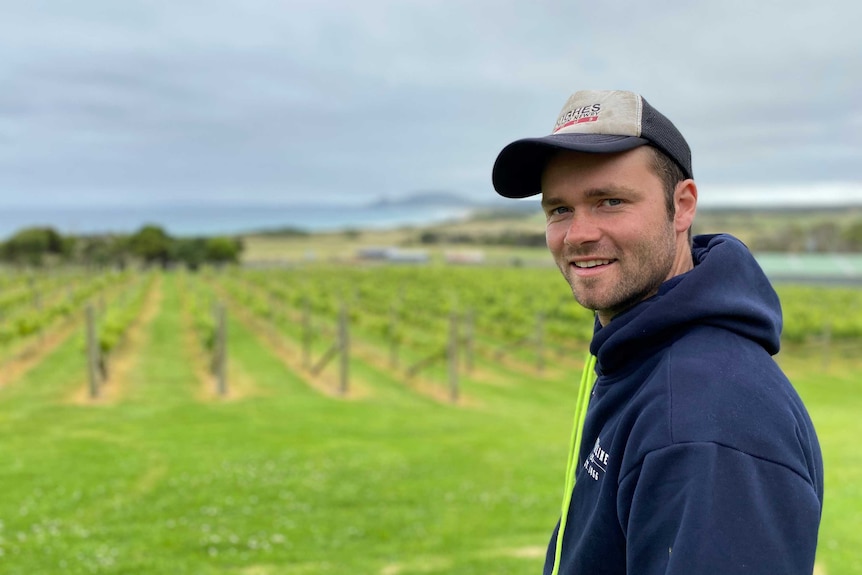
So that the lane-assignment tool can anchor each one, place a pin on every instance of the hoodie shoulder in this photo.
(725, 389)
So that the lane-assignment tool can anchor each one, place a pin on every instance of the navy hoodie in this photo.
(698, 457)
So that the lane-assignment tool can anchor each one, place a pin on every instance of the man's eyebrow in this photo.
(594, 193)
(610, 192)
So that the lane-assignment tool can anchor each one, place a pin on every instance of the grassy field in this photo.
(161, 475)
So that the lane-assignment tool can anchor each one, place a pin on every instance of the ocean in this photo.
(207, 220)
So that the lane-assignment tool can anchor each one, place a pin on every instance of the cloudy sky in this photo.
(263, 101)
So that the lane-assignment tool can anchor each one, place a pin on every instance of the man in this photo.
(695, 455)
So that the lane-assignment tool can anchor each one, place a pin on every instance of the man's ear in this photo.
(685, 204)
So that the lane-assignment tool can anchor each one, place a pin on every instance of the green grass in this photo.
(834, 400)
(284, 480)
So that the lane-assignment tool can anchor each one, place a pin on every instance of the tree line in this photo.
(151, 245)
(763, 232)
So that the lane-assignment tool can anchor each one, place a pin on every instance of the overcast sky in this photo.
(142, 102)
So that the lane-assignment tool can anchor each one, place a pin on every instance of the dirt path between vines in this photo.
(125, 357)
(325, 384)
(34, 353)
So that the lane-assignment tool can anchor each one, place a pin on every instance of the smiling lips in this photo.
(591, 263)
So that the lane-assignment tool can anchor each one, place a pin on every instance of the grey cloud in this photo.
(270, 100)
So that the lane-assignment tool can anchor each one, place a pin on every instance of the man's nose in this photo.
(583, 228)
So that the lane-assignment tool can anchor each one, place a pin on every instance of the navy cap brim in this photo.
(518, 169)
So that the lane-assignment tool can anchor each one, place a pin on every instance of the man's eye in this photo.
(613, 202)
(558, 210)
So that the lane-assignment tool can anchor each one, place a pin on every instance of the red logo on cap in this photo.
(581, 115)
(578, 121)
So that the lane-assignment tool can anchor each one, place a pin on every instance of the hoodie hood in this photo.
(726, 289)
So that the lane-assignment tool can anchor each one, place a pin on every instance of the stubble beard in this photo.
(641, 271)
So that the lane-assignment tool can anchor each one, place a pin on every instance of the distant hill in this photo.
(424, 198)
(493, 204)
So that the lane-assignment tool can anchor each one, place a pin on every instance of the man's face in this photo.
(608, 228)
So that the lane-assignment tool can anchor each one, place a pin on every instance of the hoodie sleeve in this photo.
(703, 508)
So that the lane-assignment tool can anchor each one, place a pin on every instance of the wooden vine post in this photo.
(221, 349)
(37, 304)
(341, 347)
(306, 333)
(395, 306)
(452, 354)
(468, 341)
(393, 336)
(344, 346)
(92, 352)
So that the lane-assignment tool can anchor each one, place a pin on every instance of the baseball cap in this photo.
(594, 121)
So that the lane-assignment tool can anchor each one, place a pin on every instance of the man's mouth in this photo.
(591, 263)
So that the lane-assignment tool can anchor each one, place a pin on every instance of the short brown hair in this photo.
(670, 175)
